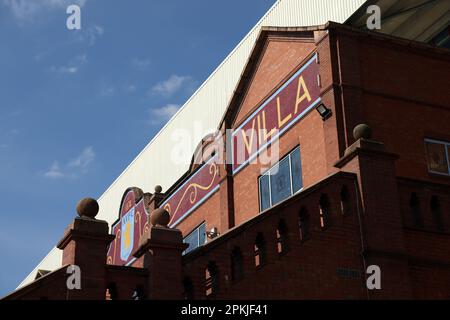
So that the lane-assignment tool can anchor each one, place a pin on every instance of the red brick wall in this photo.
(308, 132)
(207, 211)
(430, 282)
(364, 80)
(280, 57)
(308, 270)
(401, 91)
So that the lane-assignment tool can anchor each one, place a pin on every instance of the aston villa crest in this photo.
(127, 239)
(129, 227)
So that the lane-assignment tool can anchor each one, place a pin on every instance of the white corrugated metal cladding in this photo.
(205, 109)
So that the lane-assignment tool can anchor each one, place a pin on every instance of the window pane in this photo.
(296, 168)
(196, 238)
(202, 234)
(448, 160)
(437, 160)
(192, 240)
(280, 181)
(264, 192)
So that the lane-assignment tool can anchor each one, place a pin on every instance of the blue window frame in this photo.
(281, 181)
(264, 192)
(196, 238)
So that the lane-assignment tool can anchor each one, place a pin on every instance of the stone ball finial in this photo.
(87, 207)
(362, 130)
(158, 189)
(160, 217)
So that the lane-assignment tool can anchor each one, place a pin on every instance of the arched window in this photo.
(111, 291)
(138, 293)
(260, 251)
(324, 211)
(212, 280)
(304, 224)
(435, 208)
(345, 201)
(282, 238)
(237, 264)
(188, 287)
(416, 214)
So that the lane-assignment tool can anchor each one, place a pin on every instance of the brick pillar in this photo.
(226, 201)
(160, 249)
(380, 216)
(155, 199)
(227, 214)
(85, 244)
(152, 202)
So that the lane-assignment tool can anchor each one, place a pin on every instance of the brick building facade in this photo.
(372, 188)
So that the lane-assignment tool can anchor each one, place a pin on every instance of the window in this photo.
(260, 251)
(324, 211)
(237, 265)
(281, 181)
(111, 292)
(435, 207)
(282, 238)
(296, 170)
(211, 280)
(264, 192)
(138, 293)
(188, 293)
(196, 238)
(345, 201)
(303, 224)
(416, 214)
(438, 156)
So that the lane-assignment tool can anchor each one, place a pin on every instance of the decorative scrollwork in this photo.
(136, 216)
(115, 245)
(146, 228)
(193, 188)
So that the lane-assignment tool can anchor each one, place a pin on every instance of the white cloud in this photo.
(107, 90)
(173, 84)
(83, 160)
(8, 136)
(65, 69)
(89, 34)
(73, 168)
(130, 88)
(72, 67)
(162, 114)
(27, 10)
(141, 63)
(98, 30)
(16, 113)
(54, 171)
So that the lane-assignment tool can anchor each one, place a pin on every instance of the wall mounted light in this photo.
(212, 233)
(324, 112)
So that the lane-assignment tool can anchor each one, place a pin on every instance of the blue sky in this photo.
(76, 106)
